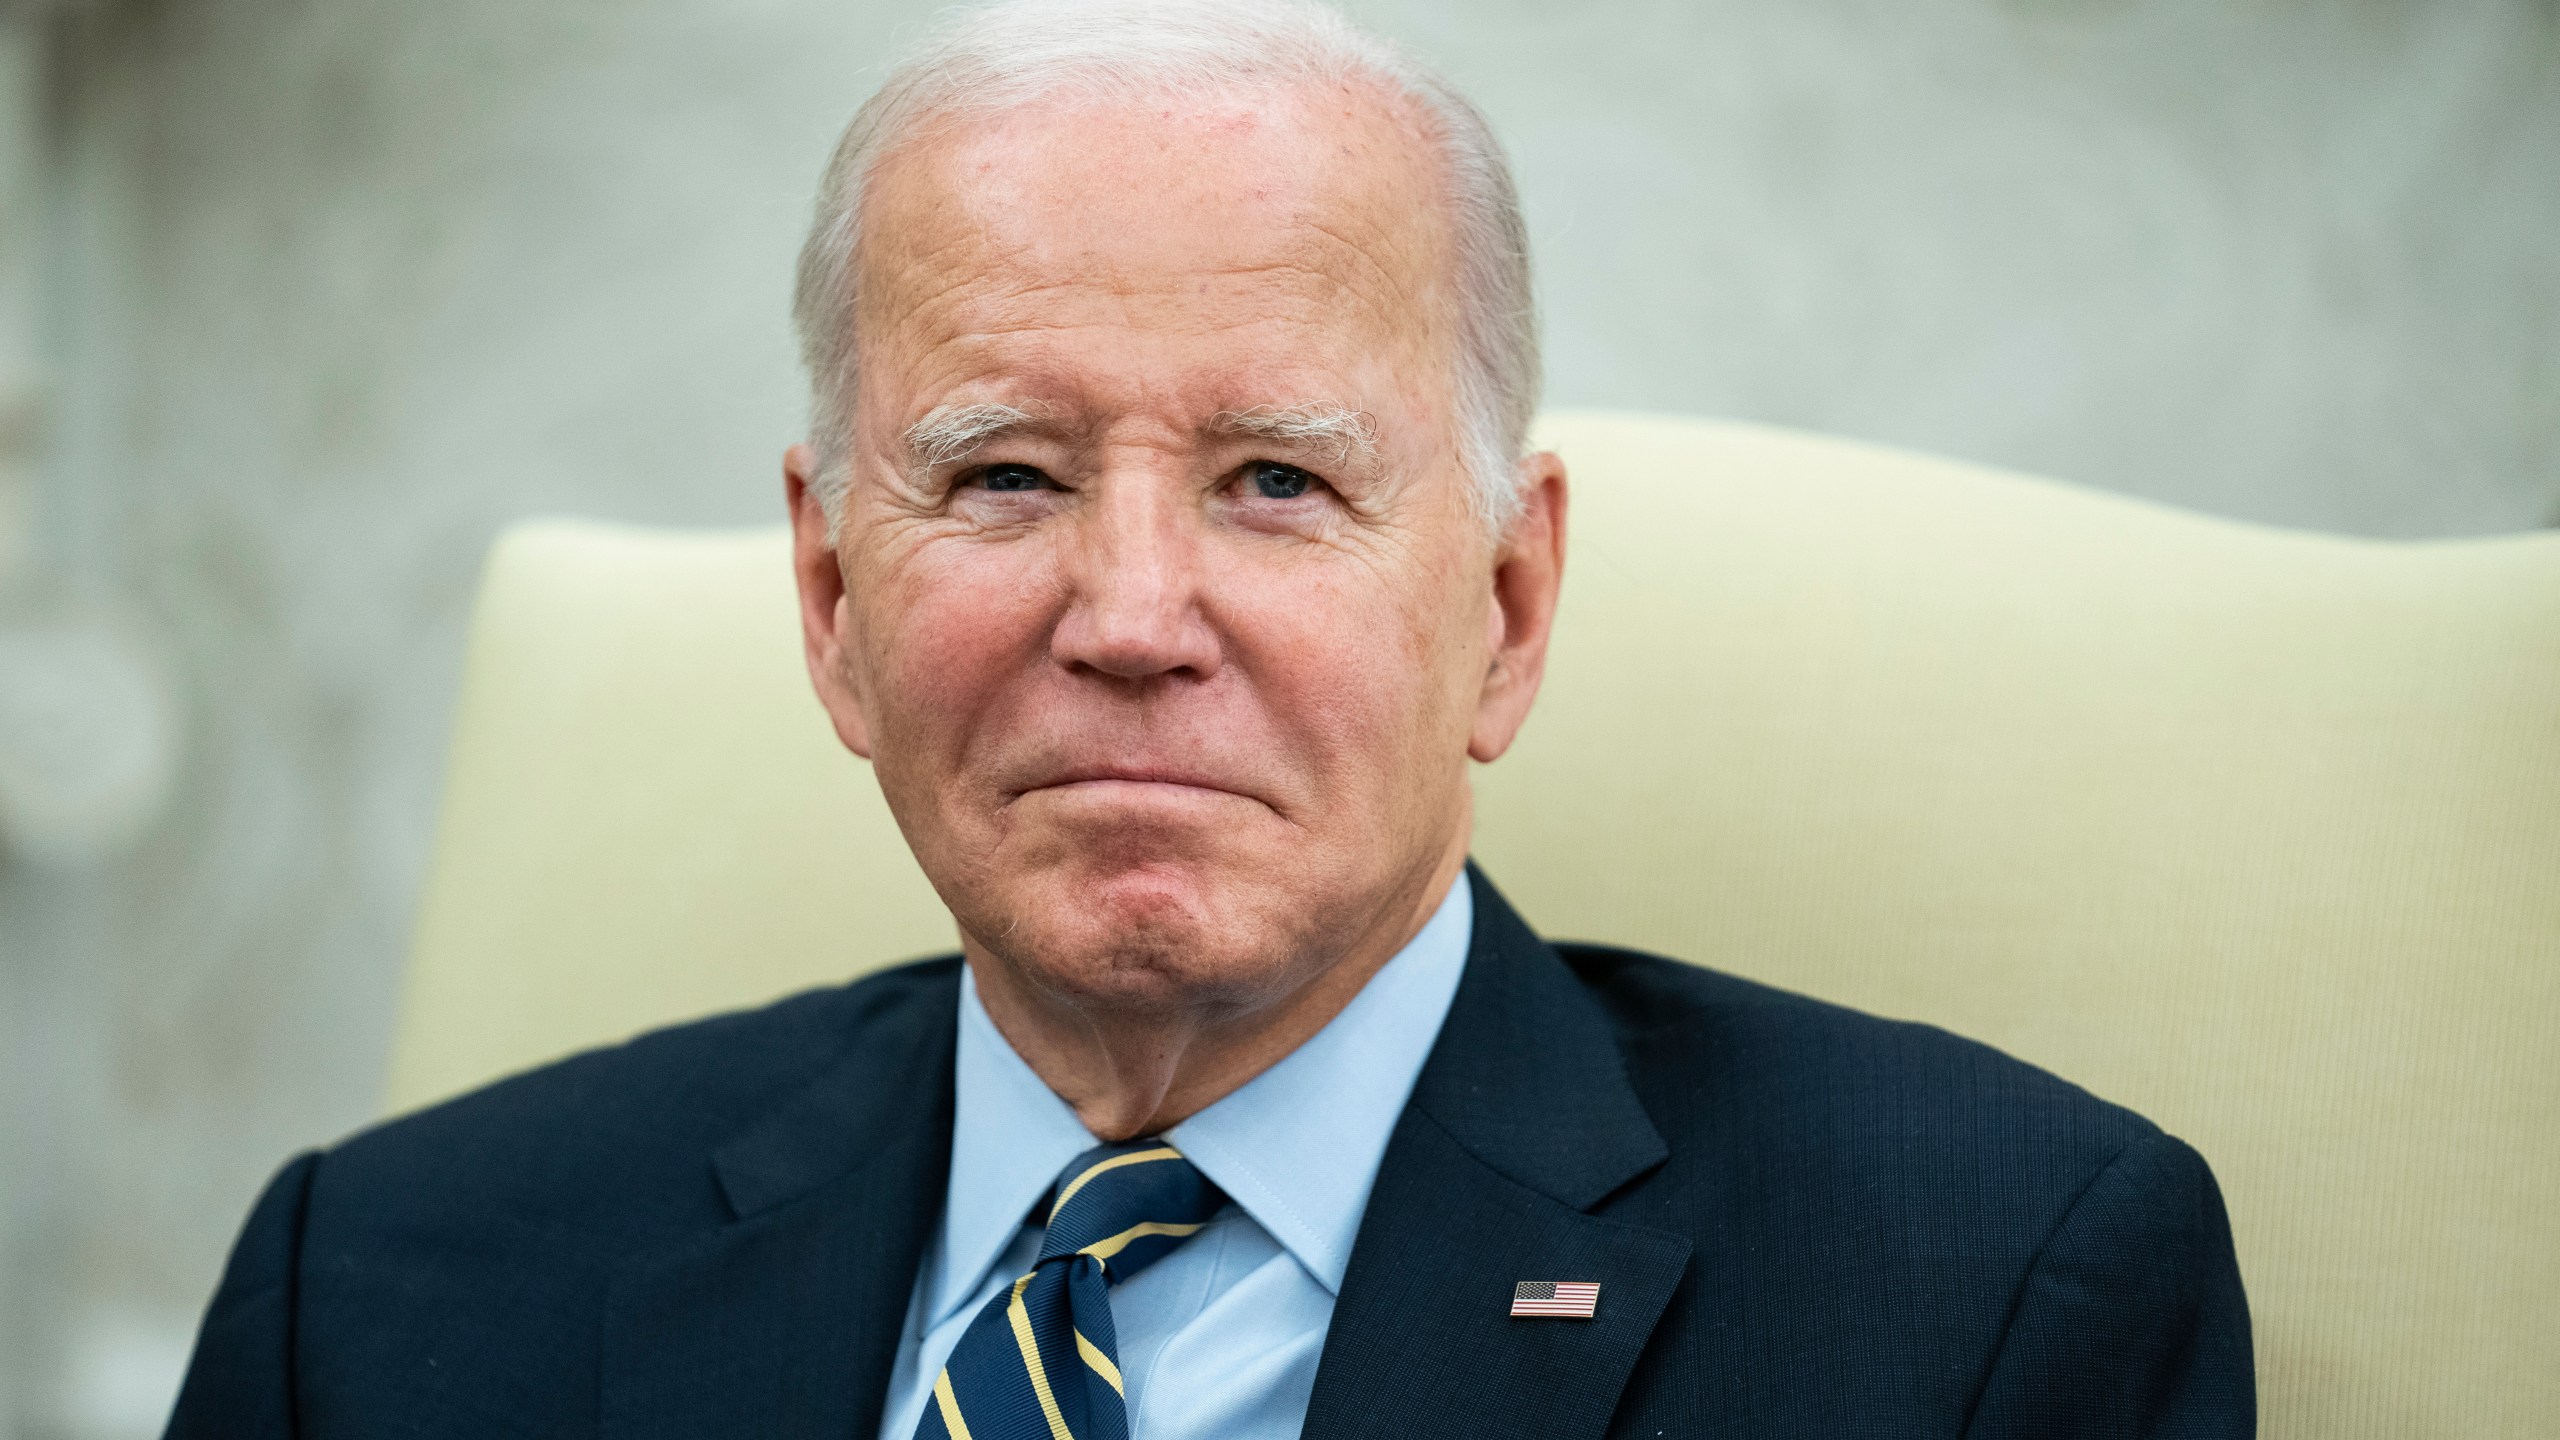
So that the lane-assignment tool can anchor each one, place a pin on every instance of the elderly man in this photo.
(1166, 542)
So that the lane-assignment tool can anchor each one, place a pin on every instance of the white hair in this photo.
(1007, 54)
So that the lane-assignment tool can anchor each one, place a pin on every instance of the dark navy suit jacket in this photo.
(1804, 1222)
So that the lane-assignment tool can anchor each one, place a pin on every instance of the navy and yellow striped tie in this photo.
(1042, 1361)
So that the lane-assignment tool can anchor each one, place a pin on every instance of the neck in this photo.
(1141, 1072)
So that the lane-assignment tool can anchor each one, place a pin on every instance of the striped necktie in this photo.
(1042, 1361)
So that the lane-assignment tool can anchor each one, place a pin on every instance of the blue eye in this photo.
(1274, 481)
(1012, 479)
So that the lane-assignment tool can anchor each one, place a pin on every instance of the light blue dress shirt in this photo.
(1221, 1337)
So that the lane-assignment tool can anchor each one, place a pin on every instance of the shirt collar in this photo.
(1297, 1147)
(1010, 1136)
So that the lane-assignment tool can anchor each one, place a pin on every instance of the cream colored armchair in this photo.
(2256, 832)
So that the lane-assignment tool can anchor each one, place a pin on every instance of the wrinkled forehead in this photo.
(1305, 218)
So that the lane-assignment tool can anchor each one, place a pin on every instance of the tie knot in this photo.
(1127, 1206)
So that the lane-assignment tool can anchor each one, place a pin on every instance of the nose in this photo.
(1136, 611)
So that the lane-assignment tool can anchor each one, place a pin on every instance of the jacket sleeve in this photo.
(240, 1383)
(2131, 1322)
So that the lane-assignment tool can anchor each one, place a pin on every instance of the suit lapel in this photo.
(1521, 1122)
(784, 1323)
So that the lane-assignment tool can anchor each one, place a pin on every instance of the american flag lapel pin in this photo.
(1554, 1299)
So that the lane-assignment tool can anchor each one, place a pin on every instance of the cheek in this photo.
(1367, 662)
(945, 629)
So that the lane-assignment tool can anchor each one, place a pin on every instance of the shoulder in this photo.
(1832, 1101)
(615, 1133)
(1725, 1032)
(1993, 1245)
(467, 1250)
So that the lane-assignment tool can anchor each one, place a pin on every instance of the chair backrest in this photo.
(2257, 832)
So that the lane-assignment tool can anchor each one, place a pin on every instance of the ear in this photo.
(827, 636)
(1528, 571)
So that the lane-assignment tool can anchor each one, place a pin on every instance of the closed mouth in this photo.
(1115, 775)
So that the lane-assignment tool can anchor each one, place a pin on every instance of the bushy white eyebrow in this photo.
(1348, 432)
(949, 432)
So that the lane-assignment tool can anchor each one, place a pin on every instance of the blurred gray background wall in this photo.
(301, 299)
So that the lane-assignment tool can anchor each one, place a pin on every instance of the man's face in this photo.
(1172, 702)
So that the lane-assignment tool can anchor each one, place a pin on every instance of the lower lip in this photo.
(1136, 789)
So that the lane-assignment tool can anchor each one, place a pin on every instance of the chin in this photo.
(1159, 935)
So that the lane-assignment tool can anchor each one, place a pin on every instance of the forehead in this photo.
(1272, 228)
